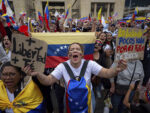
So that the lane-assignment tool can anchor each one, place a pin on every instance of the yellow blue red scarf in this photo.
(29, 100)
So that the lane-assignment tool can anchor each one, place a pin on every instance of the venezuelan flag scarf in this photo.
(29, 100)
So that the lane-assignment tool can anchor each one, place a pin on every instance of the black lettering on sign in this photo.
(30, 41)
(33, 54)
(14, 46)
(22, 51)
(39, 58)
(29, 52)
(15, 60)
(28, 62)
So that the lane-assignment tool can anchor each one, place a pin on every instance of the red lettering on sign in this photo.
(139, 48)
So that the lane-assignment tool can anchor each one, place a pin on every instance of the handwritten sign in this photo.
(28, 51)
(130, 44)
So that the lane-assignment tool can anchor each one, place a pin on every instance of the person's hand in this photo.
(132, 86)
(29, 72)
(122, 65)
(93, 78)
(112, 89)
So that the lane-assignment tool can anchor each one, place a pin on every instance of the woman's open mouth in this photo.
(6, 43)
(75, 57)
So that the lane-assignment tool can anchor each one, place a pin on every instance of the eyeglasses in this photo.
(8, 74)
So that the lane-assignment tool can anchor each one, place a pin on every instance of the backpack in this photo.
(78, 93)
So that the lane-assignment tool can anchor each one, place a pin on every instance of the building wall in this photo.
(82, 7)
(119, 7)
(85, 8)
(19, 6)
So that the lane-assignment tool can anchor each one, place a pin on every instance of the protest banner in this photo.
(130, 44)
(28, 51)
(58, 45)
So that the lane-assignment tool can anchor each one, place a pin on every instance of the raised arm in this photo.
(2, 18)
(108, 73)
(45, 80)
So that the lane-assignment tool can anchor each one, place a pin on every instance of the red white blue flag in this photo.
(67, 13)
(40, 17)
(47, 16)
(58, 43)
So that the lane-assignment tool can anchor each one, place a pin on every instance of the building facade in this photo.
(78, 8)
(143, 7)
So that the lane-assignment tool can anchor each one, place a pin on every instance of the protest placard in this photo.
(130, 44)
(28, 51)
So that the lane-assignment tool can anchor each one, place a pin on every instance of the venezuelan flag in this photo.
(47, 16)
(12, 19)
(135, 14)
(83, 19)
(7, 19)
(67, 13)
(99, 14)
(27, 101)
(22, 14)
(58, 45)
(40, 17)
(136, 11)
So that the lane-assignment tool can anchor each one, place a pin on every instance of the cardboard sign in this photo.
(130, 44)
(28, 51)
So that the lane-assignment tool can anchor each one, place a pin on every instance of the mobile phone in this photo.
(136, 84)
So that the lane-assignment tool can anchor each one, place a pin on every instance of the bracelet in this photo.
(147, 94)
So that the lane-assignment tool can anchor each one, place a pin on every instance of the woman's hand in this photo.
(122, 65)
(29, 72)
(132, 86)
(112, 89)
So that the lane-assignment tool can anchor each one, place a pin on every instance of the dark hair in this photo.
(81, 46)
(3, 40)
(102, 33)
(9, 64)
(112, 25)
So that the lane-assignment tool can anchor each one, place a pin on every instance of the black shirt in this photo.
(142, 108)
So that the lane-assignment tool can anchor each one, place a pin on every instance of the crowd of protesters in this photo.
(104, 53)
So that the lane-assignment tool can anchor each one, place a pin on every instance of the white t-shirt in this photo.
(92, 68)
